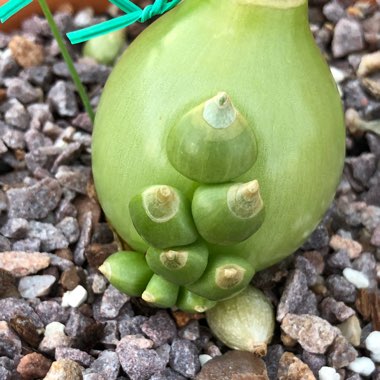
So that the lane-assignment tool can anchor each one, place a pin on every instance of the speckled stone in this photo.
(34, 202)
(292, 368)
(296, 297)
(62, 98)
(137, 357)
(64, 369)
(313, 333)
(10, 344)
(107, 364)
(184, 357)
(112, 302)
(160, 328)
(78, 356)
(341, 353)
(341, 289)
(23, 263)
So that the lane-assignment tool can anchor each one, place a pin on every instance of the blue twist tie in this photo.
(133, 14)
(10, 8)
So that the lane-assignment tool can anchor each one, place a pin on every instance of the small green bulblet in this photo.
(180, 265)
(192, 303)
(127, 271)
(212, 143)
(162, 217)
(224, 277)
(160, 292)
(229, 213)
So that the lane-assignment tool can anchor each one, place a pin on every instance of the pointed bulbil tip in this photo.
(165, 194)
(148, 297)
(106, 270)
(219, 111)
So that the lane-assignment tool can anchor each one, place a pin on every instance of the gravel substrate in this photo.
(60, 319)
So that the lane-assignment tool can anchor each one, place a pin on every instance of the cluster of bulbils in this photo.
(212, 144)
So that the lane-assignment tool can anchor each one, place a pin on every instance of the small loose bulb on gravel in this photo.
(212, 143)
(245, 322)
(162, 216)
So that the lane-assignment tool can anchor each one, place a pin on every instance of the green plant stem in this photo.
(66, 56)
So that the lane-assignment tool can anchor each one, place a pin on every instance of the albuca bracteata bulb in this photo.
(217, 148)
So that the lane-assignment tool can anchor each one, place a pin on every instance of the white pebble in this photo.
(75, 297)
(328, 373)
(359, 279)
(204, 359)
(372, 342)
(376, 357)
(54, 328)
(339, 75)
(363, 366)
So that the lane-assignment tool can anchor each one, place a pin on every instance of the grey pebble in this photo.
(355, 97)
(50, 343)
(42, 157)
(184, 357)
(70, 228)
(112, 302)
(35, 286)
(89, 73)
(334, 311)
(272, 360)
(296, 297)
(160, 328)
(191, 331)
(110, 334)
(314, 361)
(15, 228)
(62, 98)
(60, 262)
(51, 311)
(107, 365)
(366, 263)
(362, 167)
(10, 343)
(339, 260)
(341, 289)
(305, 266)
(74, 178)
(27, 245)
(83, 121)
(318, 239)
(34, 202)
(17, 116)
(333, 11)
(348, 37)
(77, 323)
(137, 357)
(11, 137)
(40, 114)
(5, 244)
(341, 353)
(13, 307)
(22, 90)
(35, 139)
(167, 374)
(71, 152)
(84, 239)
(98, 283)
(131, 325)
(51, 237)
(37, 75)
(8, 67)
(82, 358)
